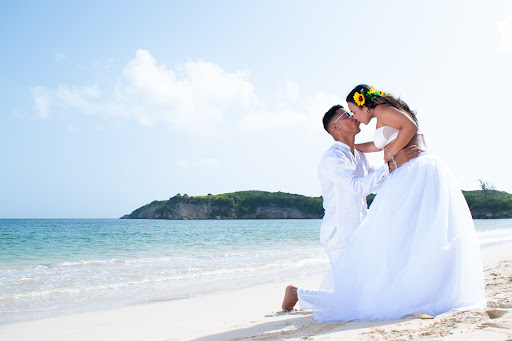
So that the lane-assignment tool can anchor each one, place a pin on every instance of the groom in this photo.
(346, 179)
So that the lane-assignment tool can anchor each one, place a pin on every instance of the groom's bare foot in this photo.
(290, 298)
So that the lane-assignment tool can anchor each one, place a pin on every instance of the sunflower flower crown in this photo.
(363, 96)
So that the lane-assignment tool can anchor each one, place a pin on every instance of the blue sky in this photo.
(107, 106)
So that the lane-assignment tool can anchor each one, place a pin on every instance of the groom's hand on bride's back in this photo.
(406, 154)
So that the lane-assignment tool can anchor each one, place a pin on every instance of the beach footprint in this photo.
(496, 313)
(293, 312)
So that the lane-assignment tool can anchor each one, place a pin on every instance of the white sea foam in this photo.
(492, 237)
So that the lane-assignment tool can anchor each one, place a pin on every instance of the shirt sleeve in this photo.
(341, 172)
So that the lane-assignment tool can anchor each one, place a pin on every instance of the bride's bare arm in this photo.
(392, 117)
(367, 147)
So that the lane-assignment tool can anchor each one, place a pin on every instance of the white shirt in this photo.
(346, 180)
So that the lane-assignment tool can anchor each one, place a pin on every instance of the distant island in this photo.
(484, 204)
(489, 204)
(237, 205)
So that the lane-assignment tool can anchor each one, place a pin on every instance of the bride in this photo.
(416, 251)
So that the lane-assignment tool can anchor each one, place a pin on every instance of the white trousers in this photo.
(307, 297)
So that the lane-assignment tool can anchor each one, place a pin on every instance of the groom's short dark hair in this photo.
(329, 114)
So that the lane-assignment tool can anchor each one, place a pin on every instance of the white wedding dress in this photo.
(415, 252)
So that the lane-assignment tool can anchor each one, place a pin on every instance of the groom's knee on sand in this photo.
(290, 298)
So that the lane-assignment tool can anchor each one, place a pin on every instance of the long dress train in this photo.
(415, 252)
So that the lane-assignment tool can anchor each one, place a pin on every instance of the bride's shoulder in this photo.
(383, 108)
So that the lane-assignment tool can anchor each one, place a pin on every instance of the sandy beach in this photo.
(254, 314)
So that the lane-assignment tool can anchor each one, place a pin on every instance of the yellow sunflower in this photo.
(372, 90)
(359, 99)
(381, 93)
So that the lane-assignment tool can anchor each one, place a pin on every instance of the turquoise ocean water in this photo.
(52, 267)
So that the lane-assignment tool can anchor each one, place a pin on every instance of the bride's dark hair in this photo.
(377, 100)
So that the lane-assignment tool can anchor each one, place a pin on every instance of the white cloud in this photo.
(204, 94)
(322, 102)
(292, 91)
(42, 98)
(59, 56)
(83, 99)
(303, 114)
(505, 29)
(195, 97)
(151, 92)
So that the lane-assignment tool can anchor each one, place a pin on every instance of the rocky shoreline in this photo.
(491, 215)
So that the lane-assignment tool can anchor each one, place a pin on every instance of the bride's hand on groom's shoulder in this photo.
(407, 154)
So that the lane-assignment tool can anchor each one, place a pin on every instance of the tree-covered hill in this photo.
(236, 205)
(489, 203)
(483, 204)
(279, 205)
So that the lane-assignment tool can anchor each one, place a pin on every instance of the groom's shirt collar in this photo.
(341, 144)
(346, 147)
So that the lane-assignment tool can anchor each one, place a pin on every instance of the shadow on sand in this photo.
(301, 326)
